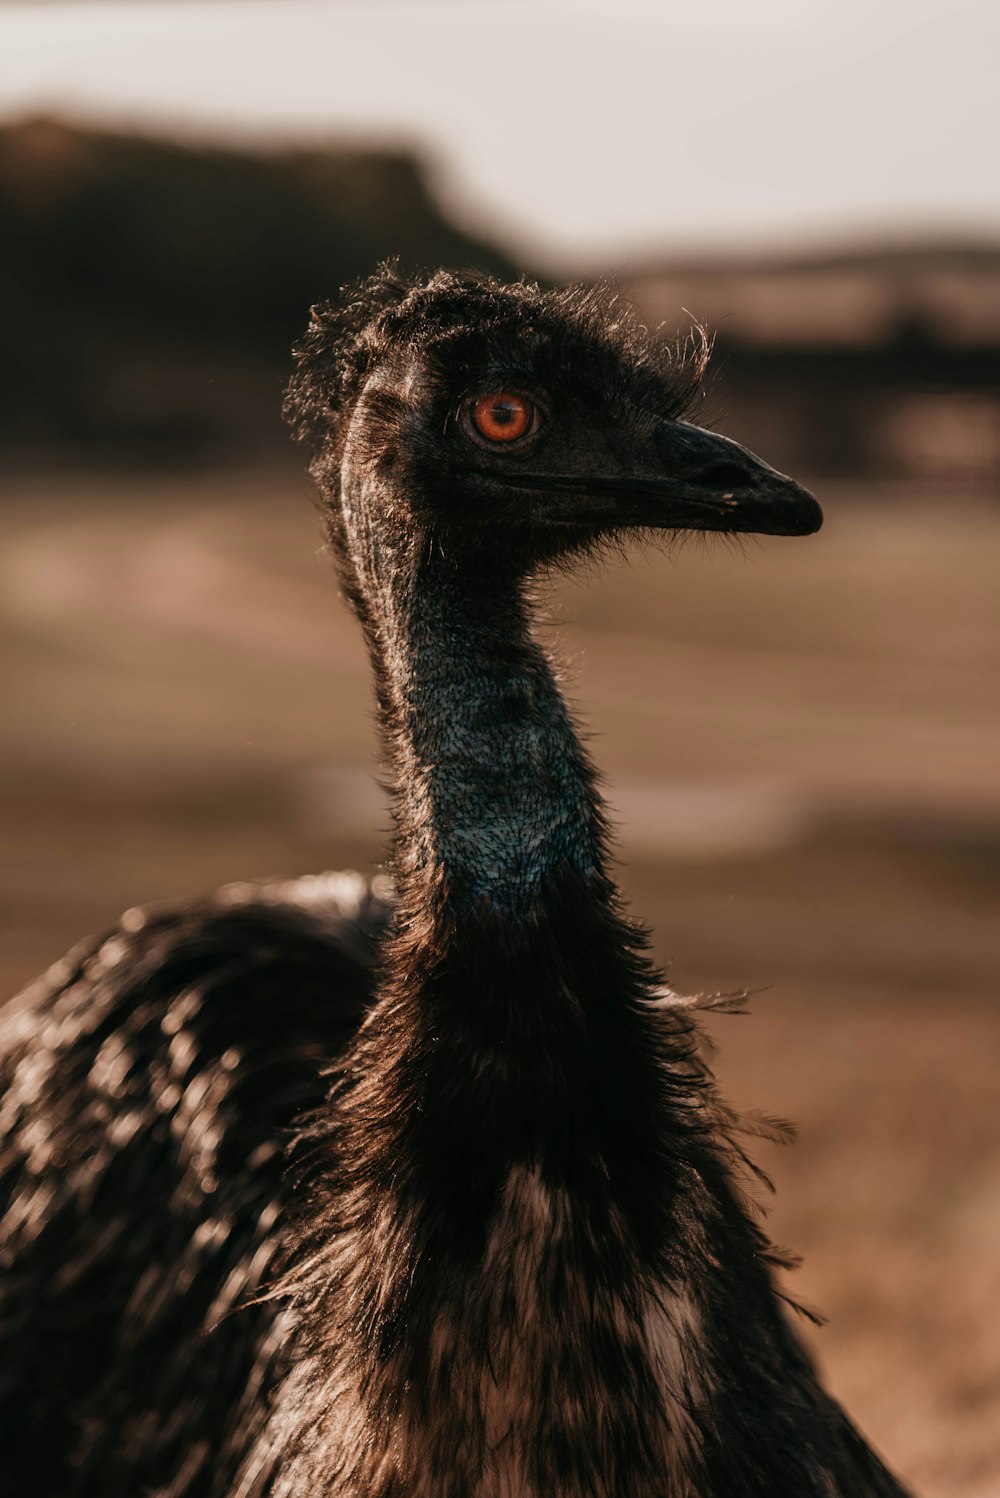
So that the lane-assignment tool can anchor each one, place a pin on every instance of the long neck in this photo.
(495, 796)
(512, 973)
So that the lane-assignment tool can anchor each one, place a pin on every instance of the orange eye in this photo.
(503, 417)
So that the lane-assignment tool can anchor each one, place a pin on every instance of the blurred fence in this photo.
(875, 364)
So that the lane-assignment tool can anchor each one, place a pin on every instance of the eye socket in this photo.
(503, 417)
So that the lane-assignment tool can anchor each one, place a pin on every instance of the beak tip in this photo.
(810, 514)
(787, 510)
(793, 510)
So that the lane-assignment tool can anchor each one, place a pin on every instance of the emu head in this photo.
(522, 424)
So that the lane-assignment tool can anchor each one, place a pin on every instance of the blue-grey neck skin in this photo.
(494, 751)
(497, 790)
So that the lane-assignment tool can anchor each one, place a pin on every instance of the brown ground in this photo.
(802, 746)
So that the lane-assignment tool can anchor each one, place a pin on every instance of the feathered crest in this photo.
(595, 329)
(330, 355)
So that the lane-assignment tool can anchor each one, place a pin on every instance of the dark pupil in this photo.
(504, 413)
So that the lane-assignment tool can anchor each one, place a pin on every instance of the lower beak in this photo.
(706, 483)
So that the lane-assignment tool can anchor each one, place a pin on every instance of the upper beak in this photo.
(706, 483)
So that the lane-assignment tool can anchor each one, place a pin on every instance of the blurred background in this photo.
(800, 737)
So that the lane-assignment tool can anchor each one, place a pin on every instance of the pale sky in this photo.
(581, 130)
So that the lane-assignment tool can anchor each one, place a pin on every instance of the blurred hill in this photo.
(150, 290)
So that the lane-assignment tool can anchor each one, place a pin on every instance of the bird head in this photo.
(519, 421)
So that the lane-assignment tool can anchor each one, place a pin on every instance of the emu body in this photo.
(508, 1254)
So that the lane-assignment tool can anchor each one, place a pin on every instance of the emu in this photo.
(326, 1188)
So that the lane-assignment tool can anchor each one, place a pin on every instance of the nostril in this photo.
(723, 476)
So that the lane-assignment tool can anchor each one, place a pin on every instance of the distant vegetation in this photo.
(150, 291)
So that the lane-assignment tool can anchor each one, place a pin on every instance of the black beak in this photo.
(706, 483)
